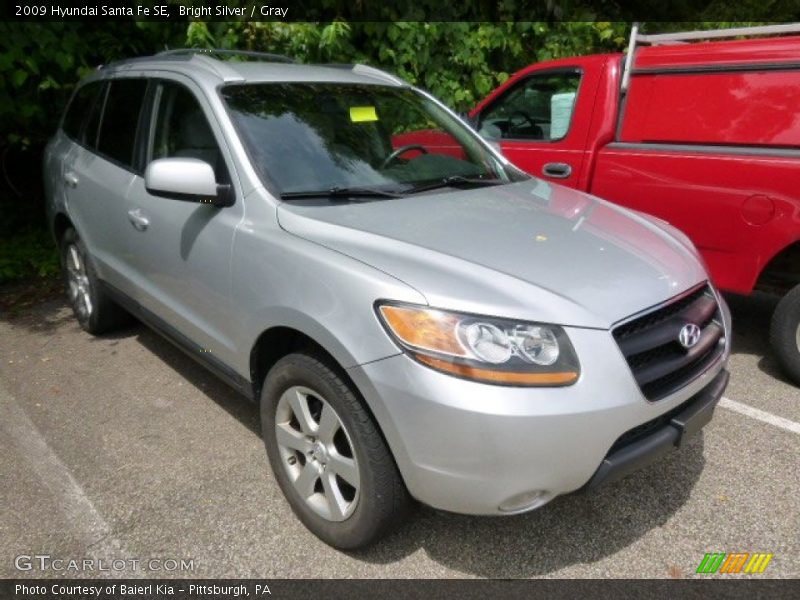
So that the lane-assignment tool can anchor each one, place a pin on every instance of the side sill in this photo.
(167, 331)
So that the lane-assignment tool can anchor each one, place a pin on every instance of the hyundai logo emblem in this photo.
(689, 335)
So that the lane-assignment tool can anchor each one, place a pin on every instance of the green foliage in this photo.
(40, 63)
(458, 62)
(26, 254)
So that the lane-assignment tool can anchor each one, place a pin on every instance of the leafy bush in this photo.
(26, 254)
(460, 63)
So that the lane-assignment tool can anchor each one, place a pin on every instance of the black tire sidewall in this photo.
(368, 520)
(783, 331)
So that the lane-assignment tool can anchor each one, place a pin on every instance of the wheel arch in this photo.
(275, 343)
(279, 341)
(782, 272)
(60, 224)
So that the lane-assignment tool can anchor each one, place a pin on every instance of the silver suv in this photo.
(416, 317)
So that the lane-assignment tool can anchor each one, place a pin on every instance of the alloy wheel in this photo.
(317, 453)
(78, 280)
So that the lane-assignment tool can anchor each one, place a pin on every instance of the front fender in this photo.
(281, 280)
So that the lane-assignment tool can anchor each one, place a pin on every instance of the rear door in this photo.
(101, 170)
(541, 120)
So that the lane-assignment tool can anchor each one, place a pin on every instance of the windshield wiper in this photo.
(342, 193)
(367, 192)
(456, 181)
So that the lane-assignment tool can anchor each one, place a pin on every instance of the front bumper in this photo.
(661, 435)
(471, 448)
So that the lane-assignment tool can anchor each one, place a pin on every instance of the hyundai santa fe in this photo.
(418, 318)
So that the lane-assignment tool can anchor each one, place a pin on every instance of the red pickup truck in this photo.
(702, 134)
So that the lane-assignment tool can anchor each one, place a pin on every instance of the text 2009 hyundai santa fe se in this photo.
(416, 320)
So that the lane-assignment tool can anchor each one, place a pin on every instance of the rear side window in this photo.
(121, 119)
(741, 109)
(539, 108)
(92, 126)
(80, 106)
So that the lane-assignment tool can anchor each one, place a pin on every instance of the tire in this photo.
(95, 311)
(784, 334)
(349, 452)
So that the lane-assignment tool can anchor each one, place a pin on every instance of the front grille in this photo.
(659, 363)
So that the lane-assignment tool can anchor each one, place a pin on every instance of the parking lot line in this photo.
(760, 415)
(55, 475)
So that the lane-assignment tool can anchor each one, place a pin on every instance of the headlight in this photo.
(487, 349)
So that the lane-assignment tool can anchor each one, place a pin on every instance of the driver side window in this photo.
(539, 108)
(182, 130)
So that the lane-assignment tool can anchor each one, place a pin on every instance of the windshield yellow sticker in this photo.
(360, 114)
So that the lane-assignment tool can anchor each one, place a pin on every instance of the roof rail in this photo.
(265, 56)
(637, 39)
(218, 68)
(362, 69)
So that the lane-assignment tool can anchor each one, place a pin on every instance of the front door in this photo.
(534, 124)
(181, 249)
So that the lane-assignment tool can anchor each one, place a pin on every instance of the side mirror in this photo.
(188, 179)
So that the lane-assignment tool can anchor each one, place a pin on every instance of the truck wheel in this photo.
(95, 311)
(785, 333)
(327, 454)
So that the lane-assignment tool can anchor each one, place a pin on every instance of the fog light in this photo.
(524, 501)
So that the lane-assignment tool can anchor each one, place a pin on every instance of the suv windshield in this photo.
(329, 138)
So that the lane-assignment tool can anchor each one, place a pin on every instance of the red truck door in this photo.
(541, 116)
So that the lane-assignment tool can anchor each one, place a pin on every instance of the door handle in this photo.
(138, 220)
(71, 179)
(557, 170)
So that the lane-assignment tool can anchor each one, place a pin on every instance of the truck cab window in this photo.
(539, 108)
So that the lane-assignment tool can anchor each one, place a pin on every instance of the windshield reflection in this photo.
(306, 137)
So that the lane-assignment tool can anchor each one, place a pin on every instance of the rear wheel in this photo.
(785, 333)
(327, 454)
(93, 308)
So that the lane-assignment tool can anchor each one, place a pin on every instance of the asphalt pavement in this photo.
(124, 452)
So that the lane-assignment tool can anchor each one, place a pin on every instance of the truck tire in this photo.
(785, 334)
(95, 311)
(327, 454)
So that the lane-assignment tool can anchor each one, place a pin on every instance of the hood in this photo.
(529, 250)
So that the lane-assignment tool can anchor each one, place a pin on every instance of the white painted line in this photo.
(760, 415)
(54, 474)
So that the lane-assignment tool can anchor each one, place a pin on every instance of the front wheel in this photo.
(328, 455)
(785, 333)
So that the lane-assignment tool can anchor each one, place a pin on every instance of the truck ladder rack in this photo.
(638, 39)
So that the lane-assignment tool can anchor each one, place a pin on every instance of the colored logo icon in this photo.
(736, 562)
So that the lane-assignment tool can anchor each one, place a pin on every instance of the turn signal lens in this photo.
(485, 349)
(431, 330)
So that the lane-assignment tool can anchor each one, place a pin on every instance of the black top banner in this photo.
(401, 10)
